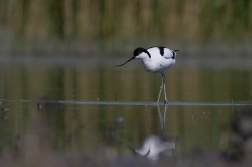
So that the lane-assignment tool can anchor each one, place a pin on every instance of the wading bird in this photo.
(155, 59)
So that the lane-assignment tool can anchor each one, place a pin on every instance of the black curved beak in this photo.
(175, 50)
(125, 62)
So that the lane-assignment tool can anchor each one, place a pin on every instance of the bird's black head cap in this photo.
(137, 52)
(140, 50)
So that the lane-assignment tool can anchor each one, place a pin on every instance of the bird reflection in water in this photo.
(155, 147)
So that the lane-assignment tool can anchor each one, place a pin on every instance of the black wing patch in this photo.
(148, 53)
(161, 50)
(173, 53)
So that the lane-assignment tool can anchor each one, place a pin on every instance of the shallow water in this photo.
(92, 108)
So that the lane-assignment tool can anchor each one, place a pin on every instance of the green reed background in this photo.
(177, 21)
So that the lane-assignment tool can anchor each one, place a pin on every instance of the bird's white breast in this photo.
(157, 63)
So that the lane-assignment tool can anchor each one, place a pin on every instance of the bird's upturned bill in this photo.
(125, 62)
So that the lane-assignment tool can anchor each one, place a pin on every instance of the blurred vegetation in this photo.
(126, 20)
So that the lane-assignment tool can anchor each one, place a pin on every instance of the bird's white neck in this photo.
(143, 57)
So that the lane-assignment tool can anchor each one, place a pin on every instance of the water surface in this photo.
(88, 107)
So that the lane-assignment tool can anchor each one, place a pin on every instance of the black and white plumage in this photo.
(154, 146)
(155, 59)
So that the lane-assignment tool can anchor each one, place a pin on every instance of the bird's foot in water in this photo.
(166, 102)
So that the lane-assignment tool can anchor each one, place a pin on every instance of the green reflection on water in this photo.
(92, 128)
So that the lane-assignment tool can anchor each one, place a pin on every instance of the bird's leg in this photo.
(163, 82)
(161, 87)
(162, 118)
